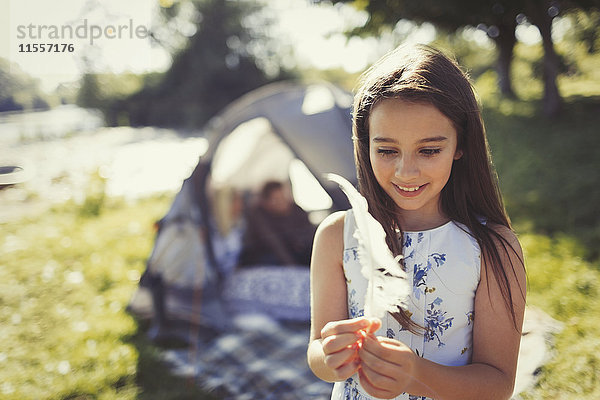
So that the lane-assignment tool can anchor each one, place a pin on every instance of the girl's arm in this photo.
(332, 353)
(389, 368)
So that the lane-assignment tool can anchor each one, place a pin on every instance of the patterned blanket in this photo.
(255, 335)
(259, 359)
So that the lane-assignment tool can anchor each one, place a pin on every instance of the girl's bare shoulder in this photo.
(330, 233)
(510, 252)
(508, 235)
(332, 224)
(336, 218)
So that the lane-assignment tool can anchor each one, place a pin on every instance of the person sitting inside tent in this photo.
(278, 231)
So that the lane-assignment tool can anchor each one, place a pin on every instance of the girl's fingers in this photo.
(336, 360)
(386, 366)
(376, 363)
(340, 358)
(345, 326)
(391, 350)
(335, 343)
(347, 370)
(375, 325)
(376, 385)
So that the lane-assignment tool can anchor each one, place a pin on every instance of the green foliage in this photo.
(499, 20)
(103, 91)
(95, 198)
(338, 76)
(568, 288)
(89, 94)
(216, 67)
(585, 29)
(64, 284)
(547, 167)
(475, 58)
(448, 15)
(18, 91)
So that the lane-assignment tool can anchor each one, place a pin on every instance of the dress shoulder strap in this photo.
(349, 228)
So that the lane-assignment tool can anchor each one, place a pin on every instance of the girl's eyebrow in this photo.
(433, 139)
(379, 139)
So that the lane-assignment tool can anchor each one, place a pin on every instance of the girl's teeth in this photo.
(409, 189)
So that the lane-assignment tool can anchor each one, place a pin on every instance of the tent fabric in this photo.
(293, 127)
(320, 137)
(285, 131)
(260, 154)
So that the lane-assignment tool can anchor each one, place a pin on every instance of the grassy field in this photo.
(65, 280)
(566, 287)
(548, 165)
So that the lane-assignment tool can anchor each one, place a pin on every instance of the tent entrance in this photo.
(251, 155)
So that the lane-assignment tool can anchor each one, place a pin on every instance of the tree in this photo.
(18, 90)
(215, 67)
(541, 14)
(88, 95)
(498, 18)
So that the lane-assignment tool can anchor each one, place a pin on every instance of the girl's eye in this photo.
(430, 152)
(386, 152)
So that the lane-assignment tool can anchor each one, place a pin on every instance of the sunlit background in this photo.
(290, 34)
(97, 136)
(309, 38)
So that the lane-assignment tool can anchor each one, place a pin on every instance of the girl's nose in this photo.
(406, 169)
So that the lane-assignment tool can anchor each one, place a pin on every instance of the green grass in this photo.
(566, 287)
(548, 167)
(65, 280)
(548, 174)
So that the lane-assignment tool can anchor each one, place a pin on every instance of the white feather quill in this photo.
(388, 286)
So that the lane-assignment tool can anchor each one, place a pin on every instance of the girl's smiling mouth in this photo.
(409, 191)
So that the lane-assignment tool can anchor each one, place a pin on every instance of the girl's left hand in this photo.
(386, 367)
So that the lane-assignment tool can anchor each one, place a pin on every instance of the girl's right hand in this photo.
(341, 341)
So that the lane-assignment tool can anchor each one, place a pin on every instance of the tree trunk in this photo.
(540, 18)
(505, 42)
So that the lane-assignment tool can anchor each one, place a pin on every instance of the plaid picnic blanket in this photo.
(266, 360)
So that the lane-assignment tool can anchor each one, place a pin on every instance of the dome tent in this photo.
(284, 131)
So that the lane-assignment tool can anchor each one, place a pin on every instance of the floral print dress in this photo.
(443, 265)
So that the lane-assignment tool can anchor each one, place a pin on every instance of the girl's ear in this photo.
(458, 154)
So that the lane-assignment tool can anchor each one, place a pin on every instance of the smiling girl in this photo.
(425, 169)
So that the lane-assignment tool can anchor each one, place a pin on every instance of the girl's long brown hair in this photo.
(422, 74)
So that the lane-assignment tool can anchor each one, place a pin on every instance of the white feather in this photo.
(388, 286)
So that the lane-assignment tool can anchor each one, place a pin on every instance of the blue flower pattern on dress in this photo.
(436, 322)
(354, 309)
(420, 272)
(430, 261)
(351, 254)
(351, 391)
